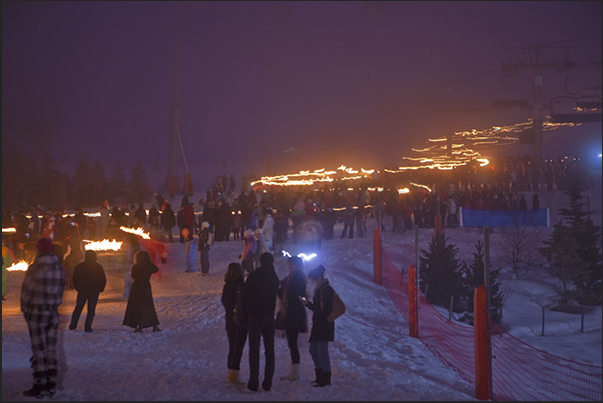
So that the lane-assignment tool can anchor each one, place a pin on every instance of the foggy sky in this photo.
(333, 80)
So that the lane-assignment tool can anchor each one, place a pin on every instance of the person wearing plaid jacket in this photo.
(41, 295)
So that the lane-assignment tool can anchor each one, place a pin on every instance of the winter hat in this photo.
(44, 246)
(266, 259)
(318, 271)
(90, 256)
(248, 233)
(205, 224)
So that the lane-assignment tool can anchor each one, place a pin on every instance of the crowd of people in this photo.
(256, 302)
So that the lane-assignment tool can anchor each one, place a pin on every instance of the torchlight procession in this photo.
(435, 157)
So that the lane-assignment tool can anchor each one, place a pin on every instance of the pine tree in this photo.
(473, 277)
(440, 272)
(82, 183)
(566, 265)
(139, 184)
(99, 183)
(118, 181)
(578, 230)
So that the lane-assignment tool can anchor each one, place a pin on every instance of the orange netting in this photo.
(519, 371)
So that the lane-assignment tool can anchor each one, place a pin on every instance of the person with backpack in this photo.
(322, 331)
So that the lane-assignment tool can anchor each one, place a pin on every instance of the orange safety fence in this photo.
(519, 371)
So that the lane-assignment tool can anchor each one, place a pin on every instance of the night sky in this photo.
(359, 81)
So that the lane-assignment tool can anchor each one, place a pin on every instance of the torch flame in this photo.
(19, 266)
(103, 245)
(137, 231)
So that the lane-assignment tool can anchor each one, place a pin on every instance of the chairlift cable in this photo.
(181, 147)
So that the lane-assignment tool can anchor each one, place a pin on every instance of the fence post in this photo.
(377, 277)
(483, 387)
(413, 306)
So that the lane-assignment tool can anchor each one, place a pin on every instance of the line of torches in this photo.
(435, 157)
(102, 246)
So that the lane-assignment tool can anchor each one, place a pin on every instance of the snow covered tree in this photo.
(139, 184)
(473, 277)
(440, 272)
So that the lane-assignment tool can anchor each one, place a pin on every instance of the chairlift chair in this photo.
(569, 109)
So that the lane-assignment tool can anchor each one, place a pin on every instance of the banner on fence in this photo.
(504, 218)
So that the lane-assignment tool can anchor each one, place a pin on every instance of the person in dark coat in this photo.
(349, 218)
(168, 221)
(141, 215)
(322, 331)
(535, 202)
(236, 328)
(523, 204)
(185, 217)
(259, 301)
(140, 311)
(205, 241)
(89, 281)
(73, 245)
(295, 319)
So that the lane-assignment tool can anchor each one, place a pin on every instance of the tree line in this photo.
(29, 180)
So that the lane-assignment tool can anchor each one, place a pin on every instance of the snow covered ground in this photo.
(373, 358)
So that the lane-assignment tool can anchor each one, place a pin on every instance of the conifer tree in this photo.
(138, 184)
(82, 183)
(582, 264)
(99, 183)
(440, 272)
(566, 265)
(118, 180)
(473, 277)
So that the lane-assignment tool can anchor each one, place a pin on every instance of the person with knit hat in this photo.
(41, 295)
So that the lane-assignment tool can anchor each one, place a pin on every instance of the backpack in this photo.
(338, 308)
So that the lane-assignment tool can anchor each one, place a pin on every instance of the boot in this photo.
(233, 378)
(318, 373)
(293, 373)
(324, 380)
(38, 390)
(51, 383)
